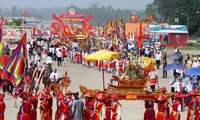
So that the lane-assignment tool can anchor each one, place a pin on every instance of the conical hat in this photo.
(69, 92)
(177, 95)
(46, 90)
(193, 92)
(23, 95)
(41, 96)
(101, 96)
(163, 89)
(60, 96)
(161, 98)
(87, 94)
(114, 96)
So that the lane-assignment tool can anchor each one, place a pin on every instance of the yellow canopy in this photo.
(102, 55)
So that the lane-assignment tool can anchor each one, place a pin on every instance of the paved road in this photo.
(131, 110)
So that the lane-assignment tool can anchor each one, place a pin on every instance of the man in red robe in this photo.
(34, 102)
(176, 107)
(89, 105)
(162, 108)
(26, 106)
(192, 106)
(2, 106)
(63, 108)
(99, 112)
(149, 113)
(44, 107)
(116, 110)
(49, 98)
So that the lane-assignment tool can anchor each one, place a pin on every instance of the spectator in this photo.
(77, 107)
(195, 82)
(54, 73)
(174, 82)
(195, 63)
(189, 86)
(164, 65)
(185, 82)
(153, 78)
(158, 58)
(59, 57)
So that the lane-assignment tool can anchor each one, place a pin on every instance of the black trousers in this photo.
(10, 87)
(164, 74)
(172, 91)
(152, 87)
(59, 59)
(158, 64)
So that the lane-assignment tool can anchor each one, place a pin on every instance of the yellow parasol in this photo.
(102, 55)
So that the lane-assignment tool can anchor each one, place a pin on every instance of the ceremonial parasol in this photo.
(174, 66)
(102, 55)
(193, 71)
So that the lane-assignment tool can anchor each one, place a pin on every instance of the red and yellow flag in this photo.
(67, 31)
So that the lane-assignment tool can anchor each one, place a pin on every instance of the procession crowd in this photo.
(71, 107)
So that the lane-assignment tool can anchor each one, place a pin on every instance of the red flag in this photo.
(67, 31)
(24, 12)
(139, 42)
(134, 18)
(150, 16)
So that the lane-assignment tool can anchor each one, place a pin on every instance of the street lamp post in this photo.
(188, 21)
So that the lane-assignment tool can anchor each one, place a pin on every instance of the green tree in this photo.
(185, 10)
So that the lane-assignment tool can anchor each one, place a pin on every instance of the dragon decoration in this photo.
(132, 86)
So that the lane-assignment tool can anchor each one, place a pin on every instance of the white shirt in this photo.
(175, 83)
(195, 64)
(59, 54)
(152, 74)
(158, 57)
(177, 86)
(54, 74)
(189, 87)
(179, 107)
(51, 49)
(185, 81)
(49, 59)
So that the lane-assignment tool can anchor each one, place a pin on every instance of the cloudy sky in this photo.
(122, 4)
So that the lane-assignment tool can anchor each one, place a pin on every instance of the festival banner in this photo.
(15, 70)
